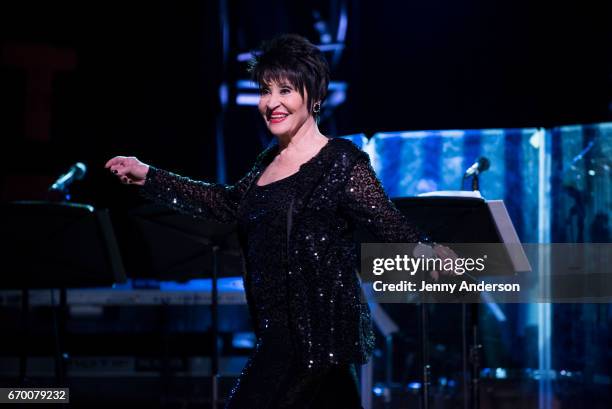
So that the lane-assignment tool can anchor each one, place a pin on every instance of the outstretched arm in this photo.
(201, 199)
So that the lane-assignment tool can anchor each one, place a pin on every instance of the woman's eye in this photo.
(285, 91)
(263, 91)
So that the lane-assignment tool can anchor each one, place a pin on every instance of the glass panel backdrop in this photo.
(556, 186)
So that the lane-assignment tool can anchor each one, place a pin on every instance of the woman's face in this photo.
(283, 109)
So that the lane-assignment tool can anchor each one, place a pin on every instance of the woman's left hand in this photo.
(444, 253)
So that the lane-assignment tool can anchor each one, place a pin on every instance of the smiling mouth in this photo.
(276, 118)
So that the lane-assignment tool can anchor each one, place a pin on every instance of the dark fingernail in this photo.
(129, 180)
(115, 171)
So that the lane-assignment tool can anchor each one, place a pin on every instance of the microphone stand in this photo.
(480, 165)
(476, 346)
(475, 181)
(58, 192)
(60, 310)
(472, 354)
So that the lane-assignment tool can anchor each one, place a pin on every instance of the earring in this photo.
(316, 108)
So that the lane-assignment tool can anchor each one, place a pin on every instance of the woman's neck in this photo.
(305, 139)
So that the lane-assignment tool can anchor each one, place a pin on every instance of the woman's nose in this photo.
(272, 101)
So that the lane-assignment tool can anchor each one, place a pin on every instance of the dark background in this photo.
(146, 77)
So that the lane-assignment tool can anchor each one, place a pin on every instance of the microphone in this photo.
(76, 172)
(478, 167)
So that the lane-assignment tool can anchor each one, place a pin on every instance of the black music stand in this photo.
(450, 219)
(56, 246)
(177, 247)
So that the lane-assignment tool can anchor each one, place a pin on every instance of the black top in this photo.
(263, 219)
(331, 194)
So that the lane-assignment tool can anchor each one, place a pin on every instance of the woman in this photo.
(296, 210)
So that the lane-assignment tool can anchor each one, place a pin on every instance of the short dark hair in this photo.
(293, 58)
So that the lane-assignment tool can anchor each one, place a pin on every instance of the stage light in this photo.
(245, 340)
(247, 99)
(500, 373)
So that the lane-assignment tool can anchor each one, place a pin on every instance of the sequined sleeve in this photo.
(201, 199)
(367, 205)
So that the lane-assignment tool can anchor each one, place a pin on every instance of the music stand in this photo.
(459, 219)
(56, 245)
(178, 247)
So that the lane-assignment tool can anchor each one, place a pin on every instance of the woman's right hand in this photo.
(128, 169)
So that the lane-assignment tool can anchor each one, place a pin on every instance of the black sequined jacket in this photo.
(335, 191)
